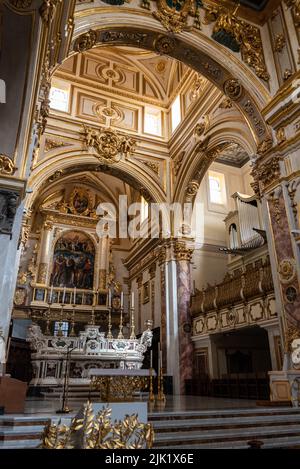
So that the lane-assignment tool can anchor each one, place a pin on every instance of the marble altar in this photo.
(90, 350)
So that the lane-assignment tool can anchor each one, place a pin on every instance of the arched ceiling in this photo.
(139, 73)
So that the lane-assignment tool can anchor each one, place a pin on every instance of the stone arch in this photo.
(202, 156)
(235, 79)
(77, 161)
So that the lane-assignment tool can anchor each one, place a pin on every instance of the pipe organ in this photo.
(244, 226)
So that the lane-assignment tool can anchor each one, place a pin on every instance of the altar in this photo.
(53, 357)
(119, 385)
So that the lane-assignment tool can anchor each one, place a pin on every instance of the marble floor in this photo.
(37, 406)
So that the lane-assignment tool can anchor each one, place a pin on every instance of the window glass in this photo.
(144, 209)
(217, 189)
(59, 96)
(152, 124)
(176, 113)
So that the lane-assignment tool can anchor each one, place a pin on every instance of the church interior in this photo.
(150, 221)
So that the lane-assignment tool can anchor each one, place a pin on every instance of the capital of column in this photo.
(183, 252)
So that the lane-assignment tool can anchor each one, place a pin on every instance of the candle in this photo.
(122, 299)
(63, 300)
(151, 359)
(109, 298)
(51, 294)
(132, 300)
(75, 296)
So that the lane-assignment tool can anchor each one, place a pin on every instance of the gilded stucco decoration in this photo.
(287, 270)
(51, 144)
(85, 41)
(233, 89)
(109, 144)
(177, 162)
(7, 166)
(164, 45)
(239, 36)
(192, 190)
(265, 146)
(265, 174)
(182, 252)
(174, 15)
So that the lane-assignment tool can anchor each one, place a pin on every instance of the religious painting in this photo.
(80, 202)
(73, 263)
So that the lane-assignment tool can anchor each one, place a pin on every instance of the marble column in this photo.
(183, 257)
(103, 263)
(44, 268)
(163, 319)
(287, 263)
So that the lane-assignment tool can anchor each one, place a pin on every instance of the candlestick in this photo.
(120, 335)
(109, 334)
(72, 332)
(132, 334)
(151, 393)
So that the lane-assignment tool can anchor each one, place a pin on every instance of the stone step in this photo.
(224, 413)
(268, 443)
(228, 423)
(219, 436)
(12, 422)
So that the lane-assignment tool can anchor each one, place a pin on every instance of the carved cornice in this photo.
(7, 166)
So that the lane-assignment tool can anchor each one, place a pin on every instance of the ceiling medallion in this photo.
(109, 144)
(107, 112)
(7, 165)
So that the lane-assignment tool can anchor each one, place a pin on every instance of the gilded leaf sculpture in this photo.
(98, 432)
